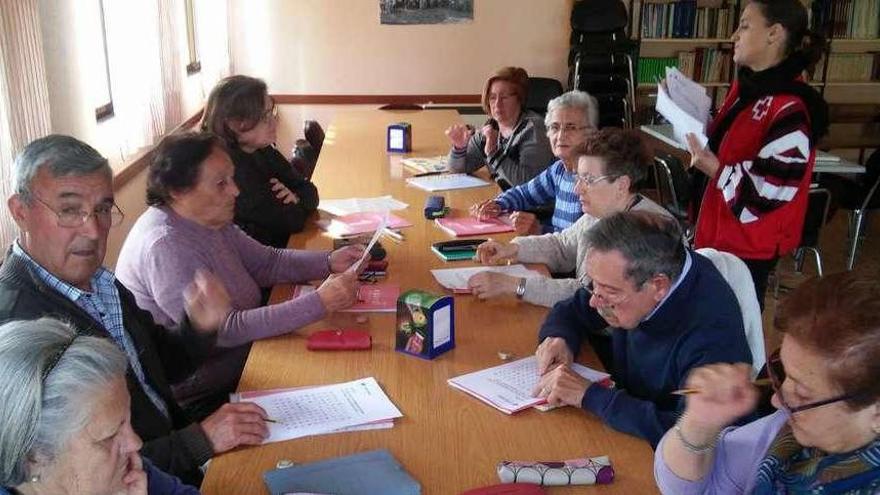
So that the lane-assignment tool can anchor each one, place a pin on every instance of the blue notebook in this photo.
(376, 472)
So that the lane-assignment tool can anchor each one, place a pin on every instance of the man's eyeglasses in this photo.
(107, 215)
(777, 377)
(607, 299)
(569, 128)
(590, 180)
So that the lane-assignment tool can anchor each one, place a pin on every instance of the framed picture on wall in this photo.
(425, 11)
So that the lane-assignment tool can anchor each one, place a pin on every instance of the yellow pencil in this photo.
(763, 382)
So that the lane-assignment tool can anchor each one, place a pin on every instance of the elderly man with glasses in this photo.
(669, 310)
(63, 204)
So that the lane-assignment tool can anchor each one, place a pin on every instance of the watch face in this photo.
(395, 139)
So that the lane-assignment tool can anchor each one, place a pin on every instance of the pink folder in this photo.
(471, 226)
(361, 223)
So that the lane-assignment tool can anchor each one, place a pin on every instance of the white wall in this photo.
(339, 47)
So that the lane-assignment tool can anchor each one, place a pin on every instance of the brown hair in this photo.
(177, 164)
(514, 75)
(793, 17)
(622, 151)
(838, 316)
(234, 97)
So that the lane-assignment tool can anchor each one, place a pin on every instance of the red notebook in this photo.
(375, 298)
(361, 223)
(471, 226)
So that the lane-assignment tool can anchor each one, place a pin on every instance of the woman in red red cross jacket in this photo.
(761, 148)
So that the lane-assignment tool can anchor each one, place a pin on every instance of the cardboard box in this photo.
(425, 324)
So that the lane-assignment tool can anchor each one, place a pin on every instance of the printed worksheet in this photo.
(340, 207)
(456, 279)
(313, 411)
(508, 387)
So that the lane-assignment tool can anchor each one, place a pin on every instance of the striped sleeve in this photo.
(753, 188)
(536, 192)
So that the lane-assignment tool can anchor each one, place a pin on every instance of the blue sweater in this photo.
(698, 324)
(553, 184)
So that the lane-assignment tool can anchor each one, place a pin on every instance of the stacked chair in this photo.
(600, 59)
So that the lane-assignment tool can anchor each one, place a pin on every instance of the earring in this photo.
(35, 478)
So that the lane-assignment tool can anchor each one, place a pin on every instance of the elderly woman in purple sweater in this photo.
(187, 228)
(823, 438)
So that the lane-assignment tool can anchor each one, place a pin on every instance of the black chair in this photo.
(670, 179)
(541, 91)
(818, 202)
(314, 134)
(859, 200)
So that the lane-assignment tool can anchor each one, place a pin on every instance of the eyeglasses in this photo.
(555, 128)
(610, 300)
(107, 215)
(776, 370)
(499, 97)
(590, 180)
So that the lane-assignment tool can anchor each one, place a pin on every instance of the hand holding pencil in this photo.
(719, 395)
(496, 253)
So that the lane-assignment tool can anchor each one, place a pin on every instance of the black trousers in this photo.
(760, 270)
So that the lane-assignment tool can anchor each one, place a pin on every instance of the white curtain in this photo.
(24, 96)
(212, 32)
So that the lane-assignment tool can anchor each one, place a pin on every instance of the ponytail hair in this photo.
(800, 42)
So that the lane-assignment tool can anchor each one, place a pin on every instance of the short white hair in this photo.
(583, 101)
(48, 378)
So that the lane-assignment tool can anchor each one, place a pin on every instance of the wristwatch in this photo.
(521, 288)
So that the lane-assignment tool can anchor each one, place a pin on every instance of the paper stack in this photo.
(685, 104)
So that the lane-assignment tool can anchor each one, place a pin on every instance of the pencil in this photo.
(270, 420)
(762, 382)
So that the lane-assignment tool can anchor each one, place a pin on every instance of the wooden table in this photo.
(446, 440)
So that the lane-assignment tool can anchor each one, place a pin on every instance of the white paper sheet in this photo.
(446, 182)
(456, 278)
(317, 410)
(508, 387)
(682, 122)
(690, 96)
(379, 230)
(340, 207)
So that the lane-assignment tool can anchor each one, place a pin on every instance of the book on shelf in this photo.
(687, 19)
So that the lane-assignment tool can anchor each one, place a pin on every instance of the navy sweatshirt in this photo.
(698, 324)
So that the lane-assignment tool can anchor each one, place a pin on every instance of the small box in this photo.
(435, 207)
(399, 138)
(425, 324)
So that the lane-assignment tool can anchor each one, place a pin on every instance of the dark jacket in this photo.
(175, 444)
(257, 211)
(699, 324)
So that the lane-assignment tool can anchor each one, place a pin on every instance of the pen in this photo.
(270, 420)
(396, 236)
(762, 382)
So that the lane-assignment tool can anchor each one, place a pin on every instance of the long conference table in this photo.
(447, 440)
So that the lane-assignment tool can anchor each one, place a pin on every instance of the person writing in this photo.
(761, 149)
(825, 435)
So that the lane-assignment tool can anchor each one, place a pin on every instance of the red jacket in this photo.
(755, 204)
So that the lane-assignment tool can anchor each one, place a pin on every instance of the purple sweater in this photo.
(159, 259)
(739, 452)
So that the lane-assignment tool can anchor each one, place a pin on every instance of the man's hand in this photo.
(282, 192)
(206, 301)
(339, 291)
(562, 387)
(485, 210)
(553, 352)
(135, 479)
(493, 252)
(486, 285)
(525, 223)
(234, 424)
(342, 258)
(459, 134)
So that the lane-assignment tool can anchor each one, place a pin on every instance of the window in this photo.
(102, 96)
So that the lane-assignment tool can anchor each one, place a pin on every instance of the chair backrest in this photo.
(670, 186)
(541, 91)
(738, 277)
(314, 134)
(599, 16)
(817, 212)
(872, 182)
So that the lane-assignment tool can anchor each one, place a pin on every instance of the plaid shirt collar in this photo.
(102, 277)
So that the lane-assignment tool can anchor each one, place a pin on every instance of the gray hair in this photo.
(649, 242)
(63, 155)
(581, 100)
(48, 376)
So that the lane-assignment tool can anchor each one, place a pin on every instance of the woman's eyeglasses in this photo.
(777, 377)
(590, 180)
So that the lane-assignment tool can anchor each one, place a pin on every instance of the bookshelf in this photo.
(691, 33)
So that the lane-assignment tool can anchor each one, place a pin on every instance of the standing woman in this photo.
(275, 199)
(762, 143)
(513, 143)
